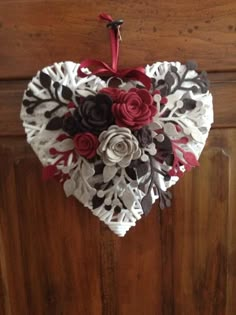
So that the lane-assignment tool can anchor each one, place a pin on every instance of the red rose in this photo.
(133, 109)
(86, 144)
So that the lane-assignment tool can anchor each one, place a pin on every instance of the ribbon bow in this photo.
(103, 69)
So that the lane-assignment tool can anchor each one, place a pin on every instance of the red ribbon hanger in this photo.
(103, 69)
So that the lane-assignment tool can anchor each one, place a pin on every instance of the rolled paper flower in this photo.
(86, 144)
(132, 109)
(144, 136)
(118, 146)
(94, 113)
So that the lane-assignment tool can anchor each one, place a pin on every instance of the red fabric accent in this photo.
(133, 109)
(164, 100)
(86, 144)
(189, 160)
(102, 68)
(51, 171)
(71, 105)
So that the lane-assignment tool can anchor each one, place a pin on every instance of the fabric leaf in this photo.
(131, 173)
(169, 79)
(66, 93)
(190, 159)
(45, 80)
(128, 198)
(108, 173)
(146, 204)
(87, 170)
(97, 201)
(142, 169)
(55, 123)
(69, 187)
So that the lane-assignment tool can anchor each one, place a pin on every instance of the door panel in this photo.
(60, 258)
(55, 257)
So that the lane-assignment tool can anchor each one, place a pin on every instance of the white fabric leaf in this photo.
(109, 172)
(87, 170)
(170, 130)
(69, 187)
(197, 135)
(128, 198)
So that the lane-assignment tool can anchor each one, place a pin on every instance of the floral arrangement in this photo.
(118, 149)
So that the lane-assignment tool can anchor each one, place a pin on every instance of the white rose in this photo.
(118, 146)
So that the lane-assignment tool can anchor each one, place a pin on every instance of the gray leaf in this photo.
(169, 79)
(69, 187)
(146, 204)
(128, 198)
(108, 173)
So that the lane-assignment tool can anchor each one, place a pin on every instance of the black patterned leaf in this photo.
(195, 89)
(169, 159)
(97, 186)
(142, 169)
(45, 80)
(55, 123)
(164, 146)
(164, 199)
(29, 93)
(26, 102)
(191, 65)
(204, 89)
(169, 79)
(146, 204)
(161, 82)
(99, 168)
(189, 104)
(107, 207)
(97, 201)
(117, 210)
(56, 85)
(66, 93)
(131, 173)
(167, 177)
(173, 69)
(164, 91)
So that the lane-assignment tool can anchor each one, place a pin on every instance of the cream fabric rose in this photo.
(118, 146)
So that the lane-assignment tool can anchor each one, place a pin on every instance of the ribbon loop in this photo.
(103, 69)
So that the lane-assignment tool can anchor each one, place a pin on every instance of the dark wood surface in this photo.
(37, 33)
(58, 259)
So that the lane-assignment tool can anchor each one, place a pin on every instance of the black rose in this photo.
(94, 113)
(144, 136)
(70, 125)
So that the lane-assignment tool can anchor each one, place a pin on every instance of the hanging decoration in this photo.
(118, 149)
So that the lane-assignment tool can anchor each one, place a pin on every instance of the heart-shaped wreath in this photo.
(118, 149)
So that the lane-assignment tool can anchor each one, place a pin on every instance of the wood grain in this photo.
(60, 260)
(60, 253)
(37, 33)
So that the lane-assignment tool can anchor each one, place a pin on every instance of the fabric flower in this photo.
(144, 136)
(86, 144)
(70, 125)
(94, 113)
(118, 146)
(133, 109)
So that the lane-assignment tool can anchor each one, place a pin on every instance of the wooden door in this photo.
(58, 259)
